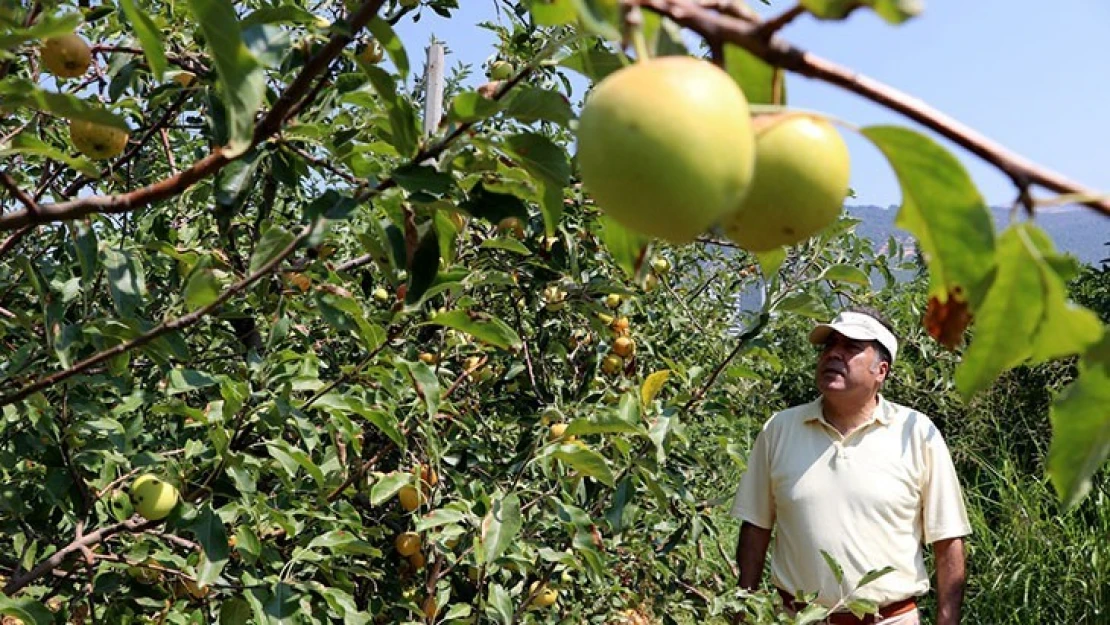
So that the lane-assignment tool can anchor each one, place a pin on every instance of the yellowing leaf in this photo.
(652, 385)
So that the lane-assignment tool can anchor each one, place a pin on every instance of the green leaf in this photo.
(813, 613)
(235, 181)
(234, 611)
(834, 566)
(626, 247)
(26, 609)
(126, 281)
(202, 288)
(604, 423)
(16, 92)
(500, 527)
(405, 133)
(492, 205)
(509, 245)
(274, 240)
(481, 326)
(586, 461)
(755, 77)
(540, 157)
(241, 79)
(860, 607)
(941, 208)
(770, 262)
(392, 44)
(186, 380)
(804, 304)
(531, 104)
(384, 421)
(425, 267)
(84, 241)
(1080, 418)
(47, 26)
(438, 517)
(24, 143)
(471, 106)
(416, 178)
(874, 575)
(553, 12)
(210, 533)
(388, 486)
(893, 11)
(1011, 309)
(284, 605)
(846, 273)
(499, 604)
(426, 383)
(343, 541)
(594, 63)
(148, 35)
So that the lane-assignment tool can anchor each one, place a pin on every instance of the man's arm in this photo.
(751, 553)
(949, 555)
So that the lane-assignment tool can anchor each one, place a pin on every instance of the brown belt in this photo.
(847, 618)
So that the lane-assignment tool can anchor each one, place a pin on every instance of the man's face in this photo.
(849, 365)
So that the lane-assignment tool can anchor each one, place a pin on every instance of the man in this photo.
(859, 477)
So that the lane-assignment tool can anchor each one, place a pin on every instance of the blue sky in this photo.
(1029, 74)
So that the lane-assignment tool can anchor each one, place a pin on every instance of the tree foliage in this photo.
(329, 327)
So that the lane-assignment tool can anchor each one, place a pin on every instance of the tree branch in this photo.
(746, 34)
(767, 29)
(161, 329)
(210, 164)
(745, 338)
(133, 526)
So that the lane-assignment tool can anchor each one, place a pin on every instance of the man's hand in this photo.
(950, 562)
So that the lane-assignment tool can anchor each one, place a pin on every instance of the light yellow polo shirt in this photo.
(870, 500)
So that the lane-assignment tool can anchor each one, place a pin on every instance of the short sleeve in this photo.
(754, 501)
(943, 510)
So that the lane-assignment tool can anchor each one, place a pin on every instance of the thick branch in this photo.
(210, 164)
(776, 51)
(42, 568)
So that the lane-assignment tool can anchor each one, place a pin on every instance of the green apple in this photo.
(666, 147)
(153, 498)
(801, 180)
(501, 70)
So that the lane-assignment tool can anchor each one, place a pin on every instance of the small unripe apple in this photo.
(407, 543)
(500, 70)
(66, 56)
(410, 498)
(153, 498)
(612, 364)
(660, 264)
(613, 300)
(545, 597)
(381, 295)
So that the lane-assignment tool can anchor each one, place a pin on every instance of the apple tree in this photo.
(282, 349)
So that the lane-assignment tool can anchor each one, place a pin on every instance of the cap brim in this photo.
(821, 333)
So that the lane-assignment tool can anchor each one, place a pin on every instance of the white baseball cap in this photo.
(858, 326)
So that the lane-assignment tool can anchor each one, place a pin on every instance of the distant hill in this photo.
(1077, 231)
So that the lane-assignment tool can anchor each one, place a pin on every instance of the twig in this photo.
(169, 152)
(321, 163)
(133, 526)
(714, 26)
(19, 194)
(743, 341)
(767, 29)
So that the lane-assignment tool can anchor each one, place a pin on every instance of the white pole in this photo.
(433, 89)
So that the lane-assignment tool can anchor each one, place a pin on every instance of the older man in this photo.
(861, 478)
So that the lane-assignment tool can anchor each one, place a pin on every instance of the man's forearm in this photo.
(751, 553)
(951, 576)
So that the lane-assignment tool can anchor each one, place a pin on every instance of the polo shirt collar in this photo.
(883, 413)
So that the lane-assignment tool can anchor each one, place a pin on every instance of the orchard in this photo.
(282, 347)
